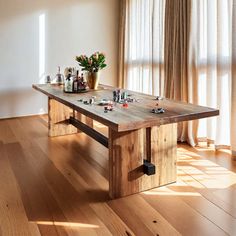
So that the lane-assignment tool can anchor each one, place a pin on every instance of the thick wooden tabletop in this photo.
(136, 115)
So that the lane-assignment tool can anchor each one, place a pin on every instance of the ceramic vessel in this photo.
(93, 80)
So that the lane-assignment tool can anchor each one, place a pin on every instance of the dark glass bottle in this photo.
(76, 82)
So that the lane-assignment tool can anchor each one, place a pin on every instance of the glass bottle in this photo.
(59, 79)
(76, 82)
(68, 86)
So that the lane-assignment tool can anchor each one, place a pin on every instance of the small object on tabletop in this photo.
(159, 98)
(104, 102)
(68, 86)
(76, 82)
(109, 107)
(125, 104)
(59, 79)
(119, 96)
(68, 71)
(131, 100)
(91, 101)
(114, 95)
(124, 95)
(82, 84)
(48, 79)
(158, 110)
(106, 109)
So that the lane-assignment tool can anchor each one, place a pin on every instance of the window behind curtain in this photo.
(144, 45)
(211, 32)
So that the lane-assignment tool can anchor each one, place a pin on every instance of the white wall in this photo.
(38, 35)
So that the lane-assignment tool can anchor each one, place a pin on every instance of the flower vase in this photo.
(93, 80)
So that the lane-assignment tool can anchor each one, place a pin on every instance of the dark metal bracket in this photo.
(89, 131)
(149, 168)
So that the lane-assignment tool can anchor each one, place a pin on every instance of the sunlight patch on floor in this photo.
(172, 193)
(176, 189)
(203, 163)
(206, 172)
(67, 224)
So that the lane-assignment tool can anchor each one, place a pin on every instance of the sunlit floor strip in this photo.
(156, 193)
(172, 190)
(67, 224)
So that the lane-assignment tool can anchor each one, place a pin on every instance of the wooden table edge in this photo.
(137, 125)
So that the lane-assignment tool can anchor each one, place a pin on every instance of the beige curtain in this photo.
(212, 30)
(233, 83)
(141, 45)
(199, 59)
(179, 69)
(177, 18)
(122, 35)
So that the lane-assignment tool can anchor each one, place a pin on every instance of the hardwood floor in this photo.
(58, 186)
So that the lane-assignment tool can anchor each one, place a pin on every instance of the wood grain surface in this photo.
(138, 115)
(58, 115)
(59, 187)
(127, 152)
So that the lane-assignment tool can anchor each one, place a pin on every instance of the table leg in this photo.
(58, 115)
(127, 152)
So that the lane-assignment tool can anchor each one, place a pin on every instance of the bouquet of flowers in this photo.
(94, 63)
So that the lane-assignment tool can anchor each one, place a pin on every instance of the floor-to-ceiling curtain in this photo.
(179, 70)
(212, 29)
(233, 83)
(200, 65)
(122, 68)
(200, 59)
(141, 45)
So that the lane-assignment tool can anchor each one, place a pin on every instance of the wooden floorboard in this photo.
(59, 186)
(13, 218)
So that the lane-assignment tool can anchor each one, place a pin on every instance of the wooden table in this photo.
(142, 145)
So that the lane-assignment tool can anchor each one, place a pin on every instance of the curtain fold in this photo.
(211, 30)
(141, 45)
(179, 70)
(183, 50)
(122, 44)
(177, 18)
